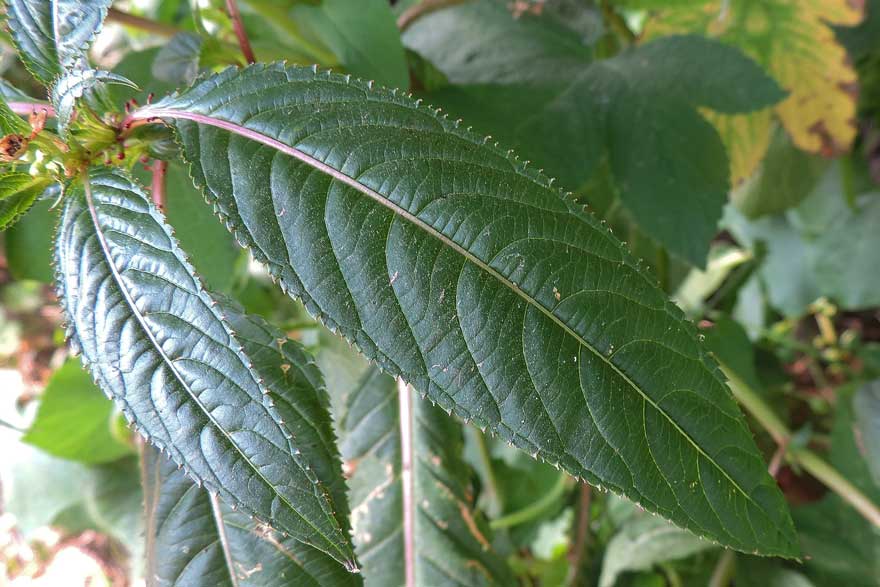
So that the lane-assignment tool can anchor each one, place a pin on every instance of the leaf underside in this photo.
(164, 349)
(451, 540)
(194, 540)
(453, 265)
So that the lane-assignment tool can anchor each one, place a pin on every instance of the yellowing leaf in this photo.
(793, 40)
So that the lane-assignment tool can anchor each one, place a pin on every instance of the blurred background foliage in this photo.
(735, 146)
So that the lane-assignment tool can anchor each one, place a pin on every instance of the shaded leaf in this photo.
(483, 42)
(194, 539)
(161, 347)
(436, 254)
(644, 541)
(784, 178)
(795, 43)
(177, 62)
(51, 35)
(639, 113)
(867, 412)
(75, 420)
(451, 539)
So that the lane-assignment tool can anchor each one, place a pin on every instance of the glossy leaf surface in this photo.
(164, 350)
(457, 267)
(51, 35)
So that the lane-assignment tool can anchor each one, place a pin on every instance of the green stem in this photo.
(837, 483)
(535, 509)
(486, 461)
(806, 459)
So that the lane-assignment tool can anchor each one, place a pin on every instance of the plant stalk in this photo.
(404, 397)
(582, 534)
(159, 170)
(240, 33)
(139, 22)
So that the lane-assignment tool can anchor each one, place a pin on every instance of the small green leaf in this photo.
(458, 268)
(450, 539)
(164, 349)
(74, 419)
(18, 192)
(194, 539)
(177, 62)
(52, 35)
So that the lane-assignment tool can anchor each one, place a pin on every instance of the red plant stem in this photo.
(158, 184)
(582, 534)
(238, 27)
(30, 108)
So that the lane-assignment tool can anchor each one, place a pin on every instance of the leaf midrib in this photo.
(105, 248)
(150, 113)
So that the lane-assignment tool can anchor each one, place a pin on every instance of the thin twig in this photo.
(404, 398)
(582, 534)
(159, 170)
(723, 570)
(139, 22)
(238, 27)
(416, 11)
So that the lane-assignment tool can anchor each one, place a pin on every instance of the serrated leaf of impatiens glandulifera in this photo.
(160, 346)
(194, 539)
(795, 43)
(428, 533)
(455, 266)
(51, 35)
(18, 192)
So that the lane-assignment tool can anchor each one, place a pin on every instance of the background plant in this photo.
(726, 142)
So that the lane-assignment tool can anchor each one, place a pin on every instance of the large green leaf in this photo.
(429, 531)
(455, 266)
(193, 539)
(638, 113)
(51, 35)
(75, 421)
(165, 351)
